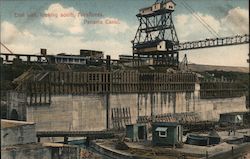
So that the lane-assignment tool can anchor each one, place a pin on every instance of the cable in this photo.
(201, 19)
(6, 47)
(202, 22)
(195, 16)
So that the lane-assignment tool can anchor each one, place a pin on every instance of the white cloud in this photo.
(16, 40)
(23, 43)
(8, 32)
(236, 22)
(189, 28)
(222, 56)
(78, 24)
(63, 18)
(72, 45)
(110, 47)
(112, 25)
(20, 48)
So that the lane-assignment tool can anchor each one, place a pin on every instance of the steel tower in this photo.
(156, 35)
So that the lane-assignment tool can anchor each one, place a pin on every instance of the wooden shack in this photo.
(166, 134)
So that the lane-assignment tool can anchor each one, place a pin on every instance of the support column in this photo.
(65, 140)
(107, 110)
(138, 106)
(174, 102)
(108, 67)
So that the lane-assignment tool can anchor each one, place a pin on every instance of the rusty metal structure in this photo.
(213, 42)
(156, 37)
(156, 34)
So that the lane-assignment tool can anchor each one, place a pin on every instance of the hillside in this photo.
(202, 68)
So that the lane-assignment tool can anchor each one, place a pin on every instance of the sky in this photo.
(66, 26)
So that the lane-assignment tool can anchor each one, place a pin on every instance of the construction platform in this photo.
(144, 149)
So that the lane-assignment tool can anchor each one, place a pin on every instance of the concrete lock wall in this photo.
(88, 112)
(39, 151)
(16, 103)
(69, 113)
(28, 153)
(162, 103)
(17, 135)
(210, 109)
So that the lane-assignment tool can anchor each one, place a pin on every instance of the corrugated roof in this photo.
(170, 1)
(161, 129)
(166, 124)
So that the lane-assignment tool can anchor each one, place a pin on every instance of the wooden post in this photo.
(40, 93)
(138, 107)
(31, 93)
(65, 141)
(35, 90)
(108, 94)
(50, 87)
(45, 92)
(107, 110)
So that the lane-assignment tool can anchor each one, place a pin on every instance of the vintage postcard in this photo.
(115, 79)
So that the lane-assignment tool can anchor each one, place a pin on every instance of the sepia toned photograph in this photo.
(116, 79)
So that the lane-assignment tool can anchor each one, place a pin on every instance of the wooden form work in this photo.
(120, 117)
(220, 89)
(80, 83)
(117, 82)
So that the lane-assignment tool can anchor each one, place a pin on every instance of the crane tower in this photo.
(156, 35)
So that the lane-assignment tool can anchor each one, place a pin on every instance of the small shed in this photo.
(166, 134)
(145, 11)
(169, 5)
(233, 118)
(136, 132)
(156, 6)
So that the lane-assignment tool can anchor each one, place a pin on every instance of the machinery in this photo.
(156, 39)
